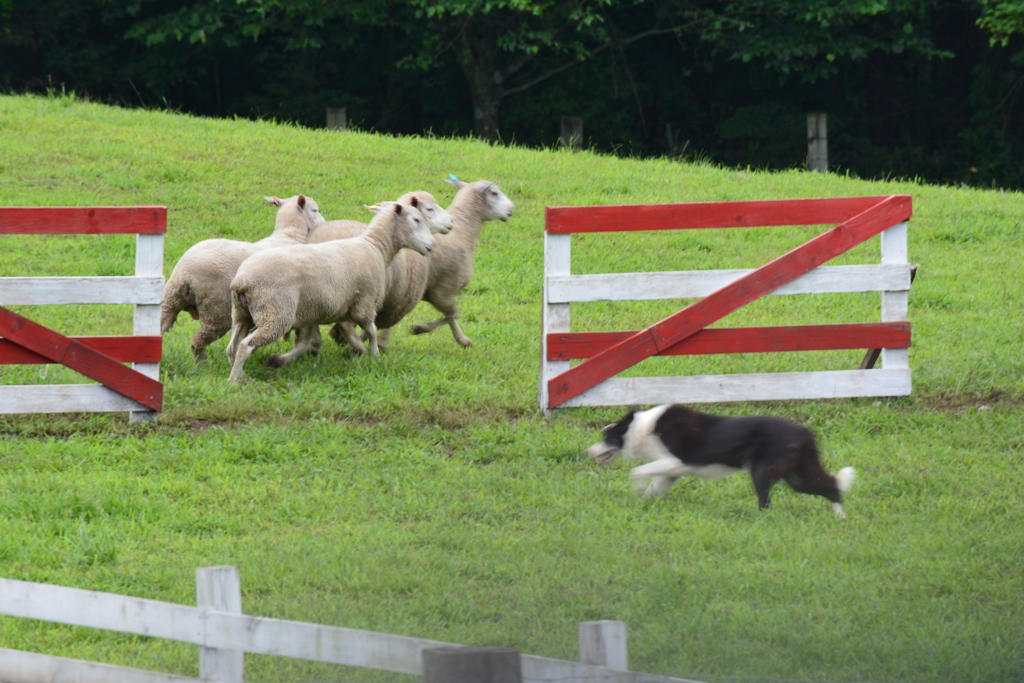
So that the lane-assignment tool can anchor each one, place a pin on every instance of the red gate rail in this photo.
(686, 332)
(99, 358)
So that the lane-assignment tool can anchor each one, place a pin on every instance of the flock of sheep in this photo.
(312, 272)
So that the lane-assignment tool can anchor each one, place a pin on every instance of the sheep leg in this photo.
(371, 331)
(304, 342)
(450, 314)
(383, 336)
(238, 349)
(346, 331)
(315, 340)
(241, 355)
(457, 332)
(239, 330)
(207, 333)
(266, 332)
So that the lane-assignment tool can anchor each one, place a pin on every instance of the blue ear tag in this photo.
(453, 177)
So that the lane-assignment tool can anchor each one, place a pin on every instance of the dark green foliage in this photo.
(913, 88)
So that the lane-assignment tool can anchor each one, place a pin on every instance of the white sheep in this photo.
(439, 278)
(406, 275)
(451, 263)
(200, 283)
(302, 286)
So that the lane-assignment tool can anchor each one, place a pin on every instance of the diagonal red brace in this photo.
(80, 358)
(658, 337)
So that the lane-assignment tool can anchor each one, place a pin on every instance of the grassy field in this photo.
(424, 494)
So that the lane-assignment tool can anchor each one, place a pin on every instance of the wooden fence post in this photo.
(219, 588)
(336, 118)
(471, 665)
(603, 643)
(817, 141)
(149, 262)
(572, 132)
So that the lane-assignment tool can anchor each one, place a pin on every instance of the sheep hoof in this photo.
(465, 342)
(275, 362)
(421, 329)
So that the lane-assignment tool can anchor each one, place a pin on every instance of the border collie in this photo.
(676, 441)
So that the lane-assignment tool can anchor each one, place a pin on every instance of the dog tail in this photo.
(844, 479)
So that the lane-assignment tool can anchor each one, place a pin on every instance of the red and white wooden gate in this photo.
(135, 389)
(799, 271)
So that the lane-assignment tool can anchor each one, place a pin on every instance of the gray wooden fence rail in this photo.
(223, 633)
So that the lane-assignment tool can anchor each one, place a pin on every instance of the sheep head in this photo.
(297, 211)
(437, 219)
(496, 205)
(410, 229)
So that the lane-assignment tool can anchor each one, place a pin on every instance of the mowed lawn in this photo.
(424, 493)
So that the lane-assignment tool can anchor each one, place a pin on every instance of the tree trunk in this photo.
(477, 56)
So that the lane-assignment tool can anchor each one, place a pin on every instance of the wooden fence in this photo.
(223, 633)
(799, 271)
(135, 389)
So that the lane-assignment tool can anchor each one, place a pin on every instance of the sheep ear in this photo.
(398, 209)
(301, 201)
(273, 200)
(374, 208)
(455, 181)
(413, 201)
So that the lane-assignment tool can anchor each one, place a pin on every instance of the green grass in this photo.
(424, 494)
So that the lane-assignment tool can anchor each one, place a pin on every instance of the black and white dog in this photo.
(676, 441)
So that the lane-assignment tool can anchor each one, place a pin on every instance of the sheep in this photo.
(200, 282)
(406, 275)
(451, 263)
(439, 278)
(305, 285)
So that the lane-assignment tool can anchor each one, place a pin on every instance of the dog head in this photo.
(613, 439)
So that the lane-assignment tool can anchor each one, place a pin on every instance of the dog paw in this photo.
(641, 485)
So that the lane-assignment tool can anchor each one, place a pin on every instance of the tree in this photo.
(1002, 19)
(505, 47)
(810, 38)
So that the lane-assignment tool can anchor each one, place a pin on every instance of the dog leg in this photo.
(663, 471)
(659, 485)
(813, 479)
(764, 479)
(777, 462)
